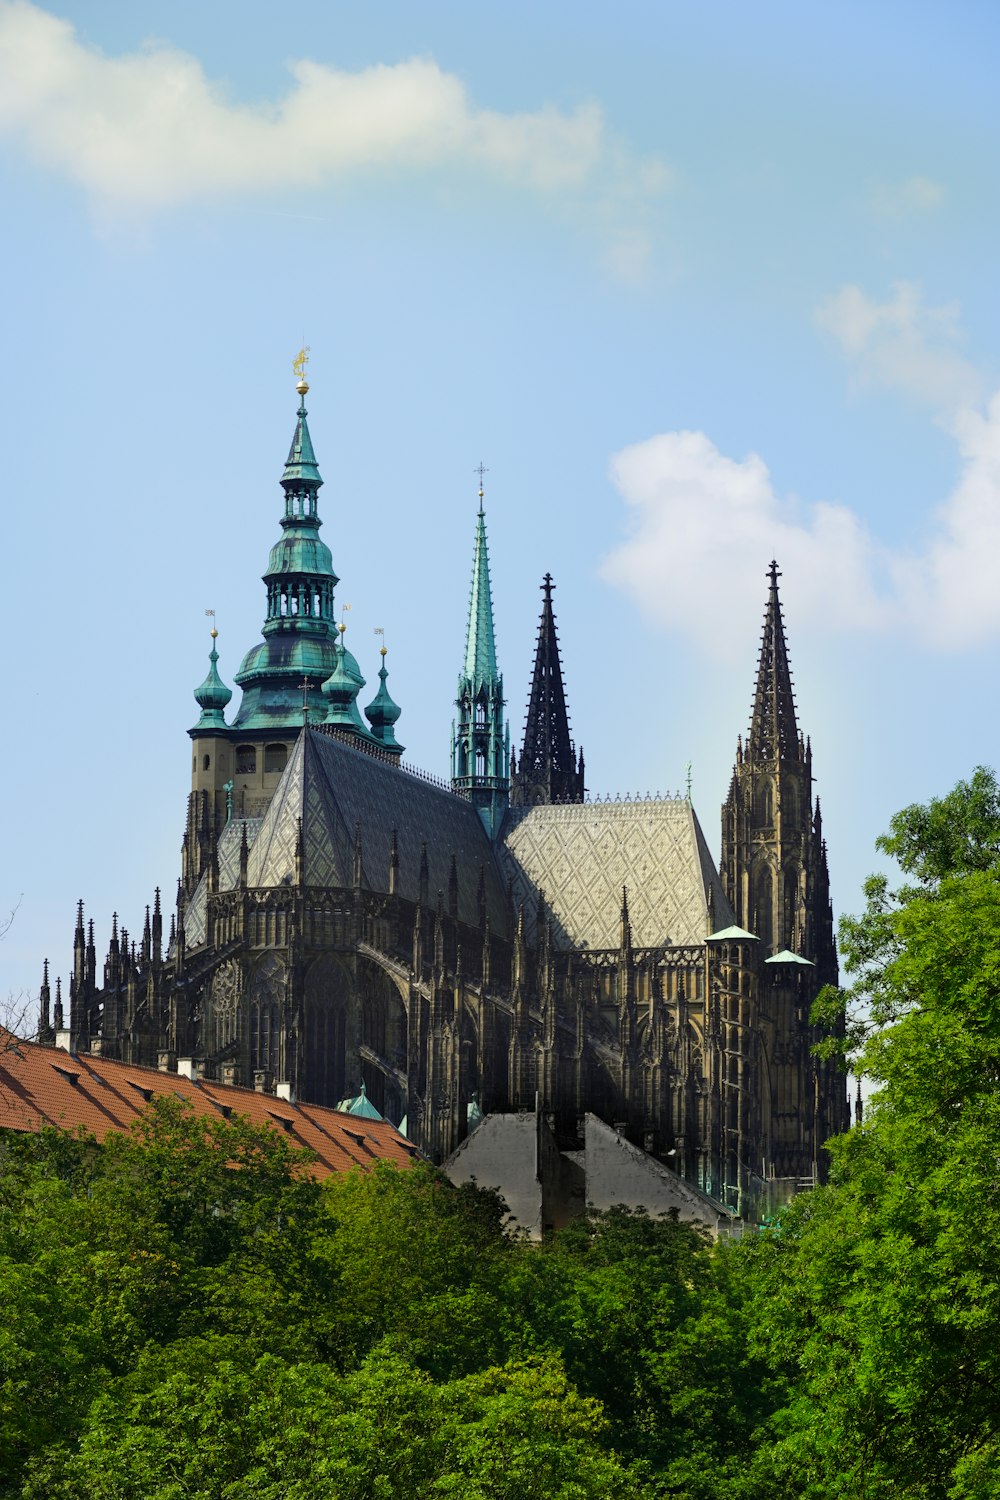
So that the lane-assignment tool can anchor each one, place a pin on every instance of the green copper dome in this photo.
(382, 712)
(341, 691)
(212, 696)
(300, 552)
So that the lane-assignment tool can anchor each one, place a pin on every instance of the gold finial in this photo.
(383, 651)
(299, 366)
(211, 614)
(214, 633)
(380, 630)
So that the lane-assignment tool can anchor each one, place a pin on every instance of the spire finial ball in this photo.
(302, 386)
(214, 633)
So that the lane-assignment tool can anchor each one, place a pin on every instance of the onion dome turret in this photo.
(212, 696)
(382, 712)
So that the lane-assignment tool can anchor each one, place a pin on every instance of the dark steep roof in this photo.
(333, 788)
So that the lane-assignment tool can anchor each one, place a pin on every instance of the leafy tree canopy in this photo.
(880, 1295)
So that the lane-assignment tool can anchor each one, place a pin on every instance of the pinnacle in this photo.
(548, 759)
(773, 729)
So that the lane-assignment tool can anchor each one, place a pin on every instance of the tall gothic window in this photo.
(762, 901)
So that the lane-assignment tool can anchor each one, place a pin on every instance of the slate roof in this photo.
(46, 1086)
(581, 855)
(196, 914)
(331, 787)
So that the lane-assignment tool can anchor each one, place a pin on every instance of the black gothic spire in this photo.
(548, 770)
(773, 730)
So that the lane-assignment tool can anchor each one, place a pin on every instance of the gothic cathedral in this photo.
(347, 923)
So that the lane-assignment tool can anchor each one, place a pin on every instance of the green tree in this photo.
(212, 1428)
(879, 1297)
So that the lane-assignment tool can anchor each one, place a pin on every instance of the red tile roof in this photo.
(47, 1086)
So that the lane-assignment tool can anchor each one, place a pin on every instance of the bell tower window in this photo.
(275, 758)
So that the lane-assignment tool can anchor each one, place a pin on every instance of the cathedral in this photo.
(348, 925)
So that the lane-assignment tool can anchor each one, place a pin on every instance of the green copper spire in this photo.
(301, 466)
(480, 747)
(213, 695)
(298, 652)
(480, 647)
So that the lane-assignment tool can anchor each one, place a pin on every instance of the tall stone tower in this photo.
(480, 744)
(774, 866)
(774, 872)
(549, 770)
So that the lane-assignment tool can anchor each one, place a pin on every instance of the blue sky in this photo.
(700, 285)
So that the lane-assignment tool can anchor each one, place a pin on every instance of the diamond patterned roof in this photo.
(581, 856)
(331, 787)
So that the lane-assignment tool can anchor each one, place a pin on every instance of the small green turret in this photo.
(212, 696)
(341, 691)
(382, 712)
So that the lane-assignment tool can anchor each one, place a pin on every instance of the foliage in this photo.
(187, 1313)
(880, 1295)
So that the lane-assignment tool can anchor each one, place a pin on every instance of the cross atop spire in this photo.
(773, 729)
(480, 469)
(548, 770)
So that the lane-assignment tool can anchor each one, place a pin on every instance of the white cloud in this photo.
(703, 526)
(913, 195)
(149, 128)
(904, 345)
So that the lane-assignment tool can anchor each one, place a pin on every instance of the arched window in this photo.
(246, 760)
(763, 917)
(206, 761)
(791, 934)
(275, 757)
(792, 803)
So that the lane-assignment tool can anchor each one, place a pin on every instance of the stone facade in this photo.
(342, 919)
